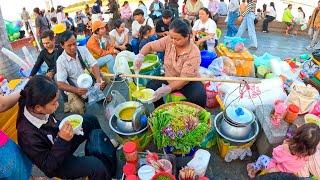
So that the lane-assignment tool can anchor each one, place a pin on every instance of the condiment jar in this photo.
(130, 152)
(132, 177)
(292, 113)
(129, 169)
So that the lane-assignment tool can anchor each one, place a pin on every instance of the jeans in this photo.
(231, 27)
(135, 42)
(193, 91)
(108, 61)
(86, 166)
(266, 21)
(248, 23)
(313, 33)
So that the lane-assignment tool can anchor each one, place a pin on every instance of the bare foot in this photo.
(251, 171)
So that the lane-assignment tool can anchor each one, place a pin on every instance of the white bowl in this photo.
(149, 100)
(78, 129)
(146, 172)
(84, 81)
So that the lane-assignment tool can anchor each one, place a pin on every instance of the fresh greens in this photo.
(180, 126)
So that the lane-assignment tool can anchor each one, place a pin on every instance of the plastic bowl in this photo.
(207, 57)
(311, 118)
(74, 116)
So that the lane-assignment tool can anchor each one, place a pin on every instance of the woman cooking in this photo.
(182, 59)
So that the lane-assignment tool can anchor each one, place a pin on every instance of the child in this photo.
(52, 149)
(144, 35)
(292, 155)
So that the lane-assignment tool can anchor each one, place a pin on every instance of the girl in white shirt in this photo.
(204, 30)
(119, 36)
(271, 15)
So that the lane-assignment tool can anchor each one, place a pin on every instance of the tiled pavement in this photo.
(275, 44)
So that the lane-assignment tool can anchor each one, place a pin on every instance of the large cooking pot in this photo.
(236, 122)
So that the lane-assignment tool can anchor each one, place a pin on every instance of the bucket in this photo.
(207, 57)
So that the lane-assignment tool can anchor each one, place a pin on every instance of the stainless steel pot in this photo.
(237, 126)
(127, 126)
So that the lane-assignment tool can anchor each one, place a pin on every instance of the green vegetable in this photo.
(162, 118)
(162, 177)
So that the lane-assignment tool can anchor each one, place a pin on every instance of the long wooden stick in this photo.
(162, 78)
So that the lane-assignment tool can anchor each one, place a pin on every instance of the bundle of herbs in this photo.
(180, 126)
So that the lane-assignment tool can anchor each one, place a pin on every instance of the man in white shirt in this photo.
(73, 62)
(223, 8)
(140, 20)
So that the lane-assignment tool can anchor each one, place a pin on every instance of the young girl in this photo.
(292, 155)
(52, 149)
(144, 35)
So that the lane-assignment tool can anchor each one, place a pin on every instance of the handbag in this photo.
(303, 96)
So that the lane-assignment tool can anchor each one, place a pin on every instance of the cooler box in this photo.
(243, 61)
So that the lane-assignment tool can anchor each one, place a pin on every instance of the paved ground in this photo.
(275, 44)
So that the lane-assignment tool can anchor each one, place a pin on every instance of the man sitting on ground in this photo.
(98, 47)
(162, 26)
(49, 54)
(73, 62)
(139, 21)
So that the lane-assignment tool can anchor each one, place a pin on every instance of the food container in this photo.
(292, 113)
(130, 152)
(243, 60)
(163, 175)
(132, 177)
(166, 165)
(127, 125)
(129, 169)
(77, 129)
(146, 172)
(237, 122)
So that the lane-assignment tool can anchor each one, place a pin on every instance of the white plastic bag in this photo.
(121, 65)
(200, 162)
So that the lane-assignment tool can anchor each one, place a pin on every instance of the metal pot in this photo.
(133, 124)
(236, 122)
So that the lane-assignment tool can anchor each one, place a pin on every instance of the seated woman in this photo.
(13, 162)
(98, 47)
(120, 37)
(204, 31)
(52, 149)
(144, 36)
(182, 59)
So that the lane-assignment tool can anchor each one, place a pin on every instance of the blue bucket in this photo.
(207, 57)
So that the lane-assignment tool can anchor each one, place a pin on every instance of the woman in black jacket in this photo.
(48, 147)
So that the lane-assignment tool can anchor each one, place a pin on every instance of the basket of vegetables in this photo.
(179, 125)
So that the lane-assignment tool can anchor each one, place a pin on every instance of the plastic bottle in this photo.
(292, 113)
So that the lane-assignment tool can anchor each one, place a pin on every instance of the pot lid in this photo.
(137, 116)
(239, 115)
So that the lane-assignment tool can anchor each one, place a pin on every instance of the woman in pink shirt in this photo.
(292, 155)
(125, 11)
(181, 59)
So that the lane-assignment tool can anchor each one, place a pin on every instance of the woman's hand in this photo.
(66, 131)
(138, 63)
(81, 91)
(161, 92)
(240, 18)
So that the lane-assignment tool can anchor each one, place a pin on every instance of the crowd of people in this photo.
(178, 37)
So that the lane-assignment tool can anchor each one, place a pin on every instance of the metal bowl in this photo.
(237, 139)
(125, 126)
(116, 129)
(234, 131)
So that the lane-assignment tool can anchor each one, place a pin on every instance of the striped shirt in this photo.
(250, 8)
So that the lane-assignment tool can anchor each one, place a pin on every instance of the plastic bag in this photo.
(222, 66)
(234, 43)
(265, 60)
(95, 94)
(117, 99)
(121, 65)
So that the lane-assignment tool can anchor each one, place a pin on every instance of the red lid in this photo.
(132, 177)
(1, 78)
(293, 108)
(129, 169)
(129, 147)
(203, 178)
